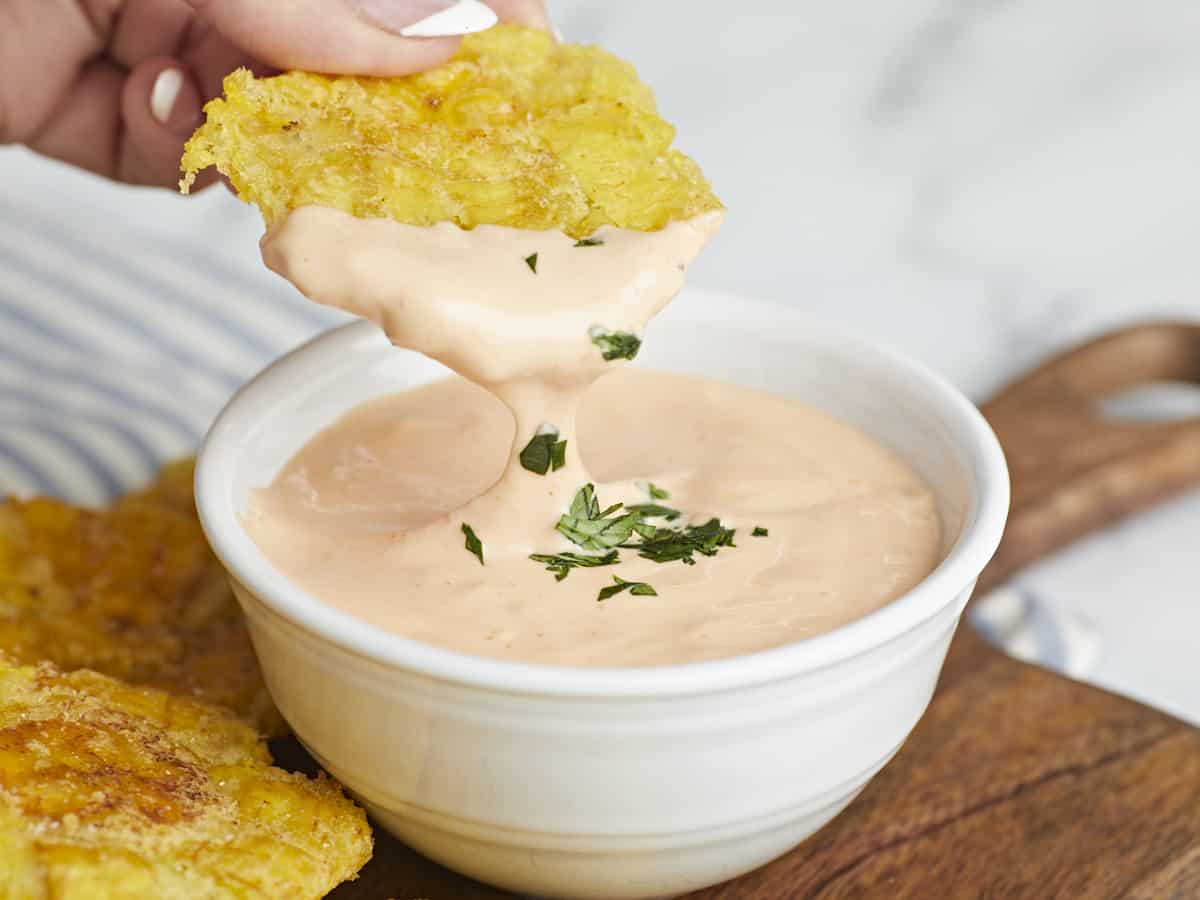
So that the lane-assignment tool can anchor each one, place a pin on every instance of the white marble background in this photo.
(978, 182)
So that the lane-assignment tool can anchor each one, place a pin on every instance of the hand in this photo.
(117, 86)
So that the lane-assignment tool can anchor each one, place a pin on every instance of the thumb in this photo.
(354, 37)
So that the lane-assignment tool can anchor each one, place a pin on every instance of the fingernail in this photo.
(428, 18)
(164, 94)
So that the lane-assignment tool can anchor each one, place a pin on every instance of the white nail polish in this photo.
(464, 17)
(164, 93)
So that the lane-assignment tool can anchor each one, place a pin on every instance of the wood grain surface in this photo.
(1017, 783)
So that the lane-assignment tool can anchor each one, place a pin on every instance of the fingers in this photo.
(84, 128)
(126, 114)
(160, 108)
(523, 12)
(43, 44)
(210, 57)
(66, 98)
(358, 37)
(148, 28)
(125, 125)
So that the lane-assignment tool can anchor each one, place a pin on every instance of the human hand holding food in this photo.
(116, 86)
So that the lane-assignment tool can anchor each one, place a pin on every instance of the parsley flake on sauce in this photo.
(474, 545)
(615, 344)
(655, 510)
(589, 242)
(681, 544)
(531, 261)
(636, 588)
(561, 564)
(759, 531)
(544, 452)
(592, 528)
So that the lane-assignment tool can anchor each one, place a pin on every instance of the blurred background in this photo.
(976, 182)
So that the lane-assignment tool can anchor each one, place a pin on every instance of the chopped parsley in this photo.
(474, 545)
(655, 510)
(619, 527)
(759, 531)
(615, 344)
(531, 261)
(589, 242)
(561, 564)
(681, 544)
(637, 588)
(544, 452)
(591, 528)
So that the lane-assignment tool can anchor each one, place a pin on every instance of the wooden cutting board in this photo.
(1017, 783)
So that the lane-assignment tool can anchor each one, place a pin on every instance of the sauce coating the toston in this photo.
(368, 516)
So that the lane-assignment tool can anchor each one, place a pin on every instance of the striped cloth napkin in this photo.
(119, 340)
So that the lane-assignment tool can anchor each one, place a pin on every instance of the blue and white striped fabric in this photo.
(118, 345)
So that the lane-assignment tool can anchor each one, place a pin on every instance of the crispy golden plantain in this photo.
(110, 791)
(516, 130)
(132, 591)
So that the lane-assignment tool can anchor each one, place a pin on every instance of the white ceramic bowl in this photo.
(611, 783)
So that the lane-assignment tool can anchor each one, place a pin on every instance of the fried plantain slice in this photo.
(109, 791)
(515, 130)
(132, 591)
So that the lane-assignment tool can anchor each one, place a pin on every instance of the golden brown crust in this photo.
(516, 130)
(132, 591)
(111, 791)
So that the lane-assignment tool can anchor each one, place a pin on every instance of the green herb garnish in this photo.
(681, 544)
(655, 510)
(615, 344)
(544, 452)
(657, 493)
(474, 545)
(561, 564)
(759, 531)
(591, 528)
(531, 261)
(637, 588)
(589, 242)
(618, 526)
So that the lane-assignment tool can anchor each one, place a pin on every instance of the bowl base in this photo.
(646, 867)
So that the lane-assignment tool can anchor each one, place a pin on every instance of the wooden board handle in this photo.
(1075, 470)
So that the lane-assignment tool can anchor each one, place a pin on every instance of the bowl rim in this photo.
(956, 573)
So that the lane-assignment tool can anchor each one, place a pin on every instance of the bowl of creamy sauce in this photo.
(574, 627)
